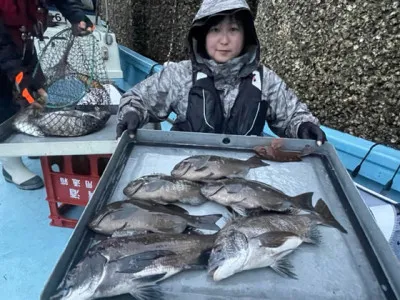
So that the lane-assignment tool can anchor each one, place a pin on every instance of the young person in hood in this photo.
(223, 88)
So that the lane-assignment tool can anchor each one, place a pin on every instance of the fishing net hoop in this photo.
(72, 71)
(70, 67)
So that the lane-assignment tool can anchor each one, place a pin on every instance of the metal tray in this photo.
(357, 265)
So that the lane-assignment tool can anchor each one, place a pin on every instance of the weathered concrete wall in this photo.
(120, 18)
(155, 28)
(168, 22)
(341, 57)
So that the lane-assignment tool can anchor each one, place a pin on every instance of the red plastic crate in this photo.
(70, 181)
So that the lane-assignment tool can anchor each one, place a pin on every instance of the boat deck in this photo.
(29, 246)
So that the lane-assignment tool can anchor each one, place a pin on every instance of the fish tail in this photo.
(326, 216)
(303, 201)
(205, 222)
(256, 162)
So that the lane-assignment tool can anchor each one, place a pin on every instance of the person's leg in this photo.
(14, 171)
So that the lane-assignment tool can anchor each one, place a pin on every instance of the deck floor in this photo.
(29, 246)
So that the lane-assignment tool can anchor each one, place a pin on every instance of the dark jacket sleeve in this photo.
(70, 9)
(10, 60)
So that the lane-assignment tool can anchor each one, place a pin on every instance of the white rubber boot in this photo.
(14, 171)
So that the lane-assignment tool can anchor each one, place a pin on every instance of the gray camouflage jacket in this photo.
(168, 90)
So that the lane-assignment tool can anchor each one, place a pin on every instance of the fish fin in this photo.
(211, 174)
(239, 210)
(201, 163)
(284, 268)
(177, 227)
(303, 201)
(193, 231)
(154, 185)
(202, 182)
(293, 211)
(124, 233)
(177, 209)
(233, 214)
(274, 239)
(137, 262)
(233, 188)
(256, 162)
(148, 291)
(229, 220)
(159, 201)
(152, 278)
(204, 222)
(215, 189)
(240, 174)
(326, 216)
(313, 236)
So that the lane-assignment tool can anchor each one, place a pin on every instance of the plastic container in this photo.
(70, 181)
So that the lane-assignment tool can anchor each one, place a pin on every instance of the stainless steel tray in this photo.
(357, 265)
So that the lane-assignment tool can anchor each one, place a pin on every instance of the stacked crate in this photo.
(70, 181)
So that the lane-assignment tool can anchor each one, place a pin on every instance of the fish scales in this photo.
(133, 215)
(164, 189)
(133, 265)
(210, 167)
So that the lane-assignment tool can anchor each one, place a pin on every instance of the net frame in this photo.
(70, 66)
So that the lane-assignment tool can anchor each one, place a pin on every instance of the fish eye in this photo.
(67, 291)
(218, 248)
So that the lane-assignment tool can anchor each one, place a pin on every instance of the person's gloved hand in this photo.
(130, 121)
(309, 130)
(83, 28)
(42, 99)
(26, 86)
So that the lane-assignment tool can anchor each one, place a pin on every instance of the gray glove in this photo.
(78, 30)
(309, 130)
(130, 121)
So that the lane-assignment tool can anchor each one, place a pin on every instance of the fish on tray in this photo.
(265, 241)
(134, 265)
(244, 195)
(274, 152)
(65, 123)
(208, 208)
(135, 216)
(208, 167)
(165, 189)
